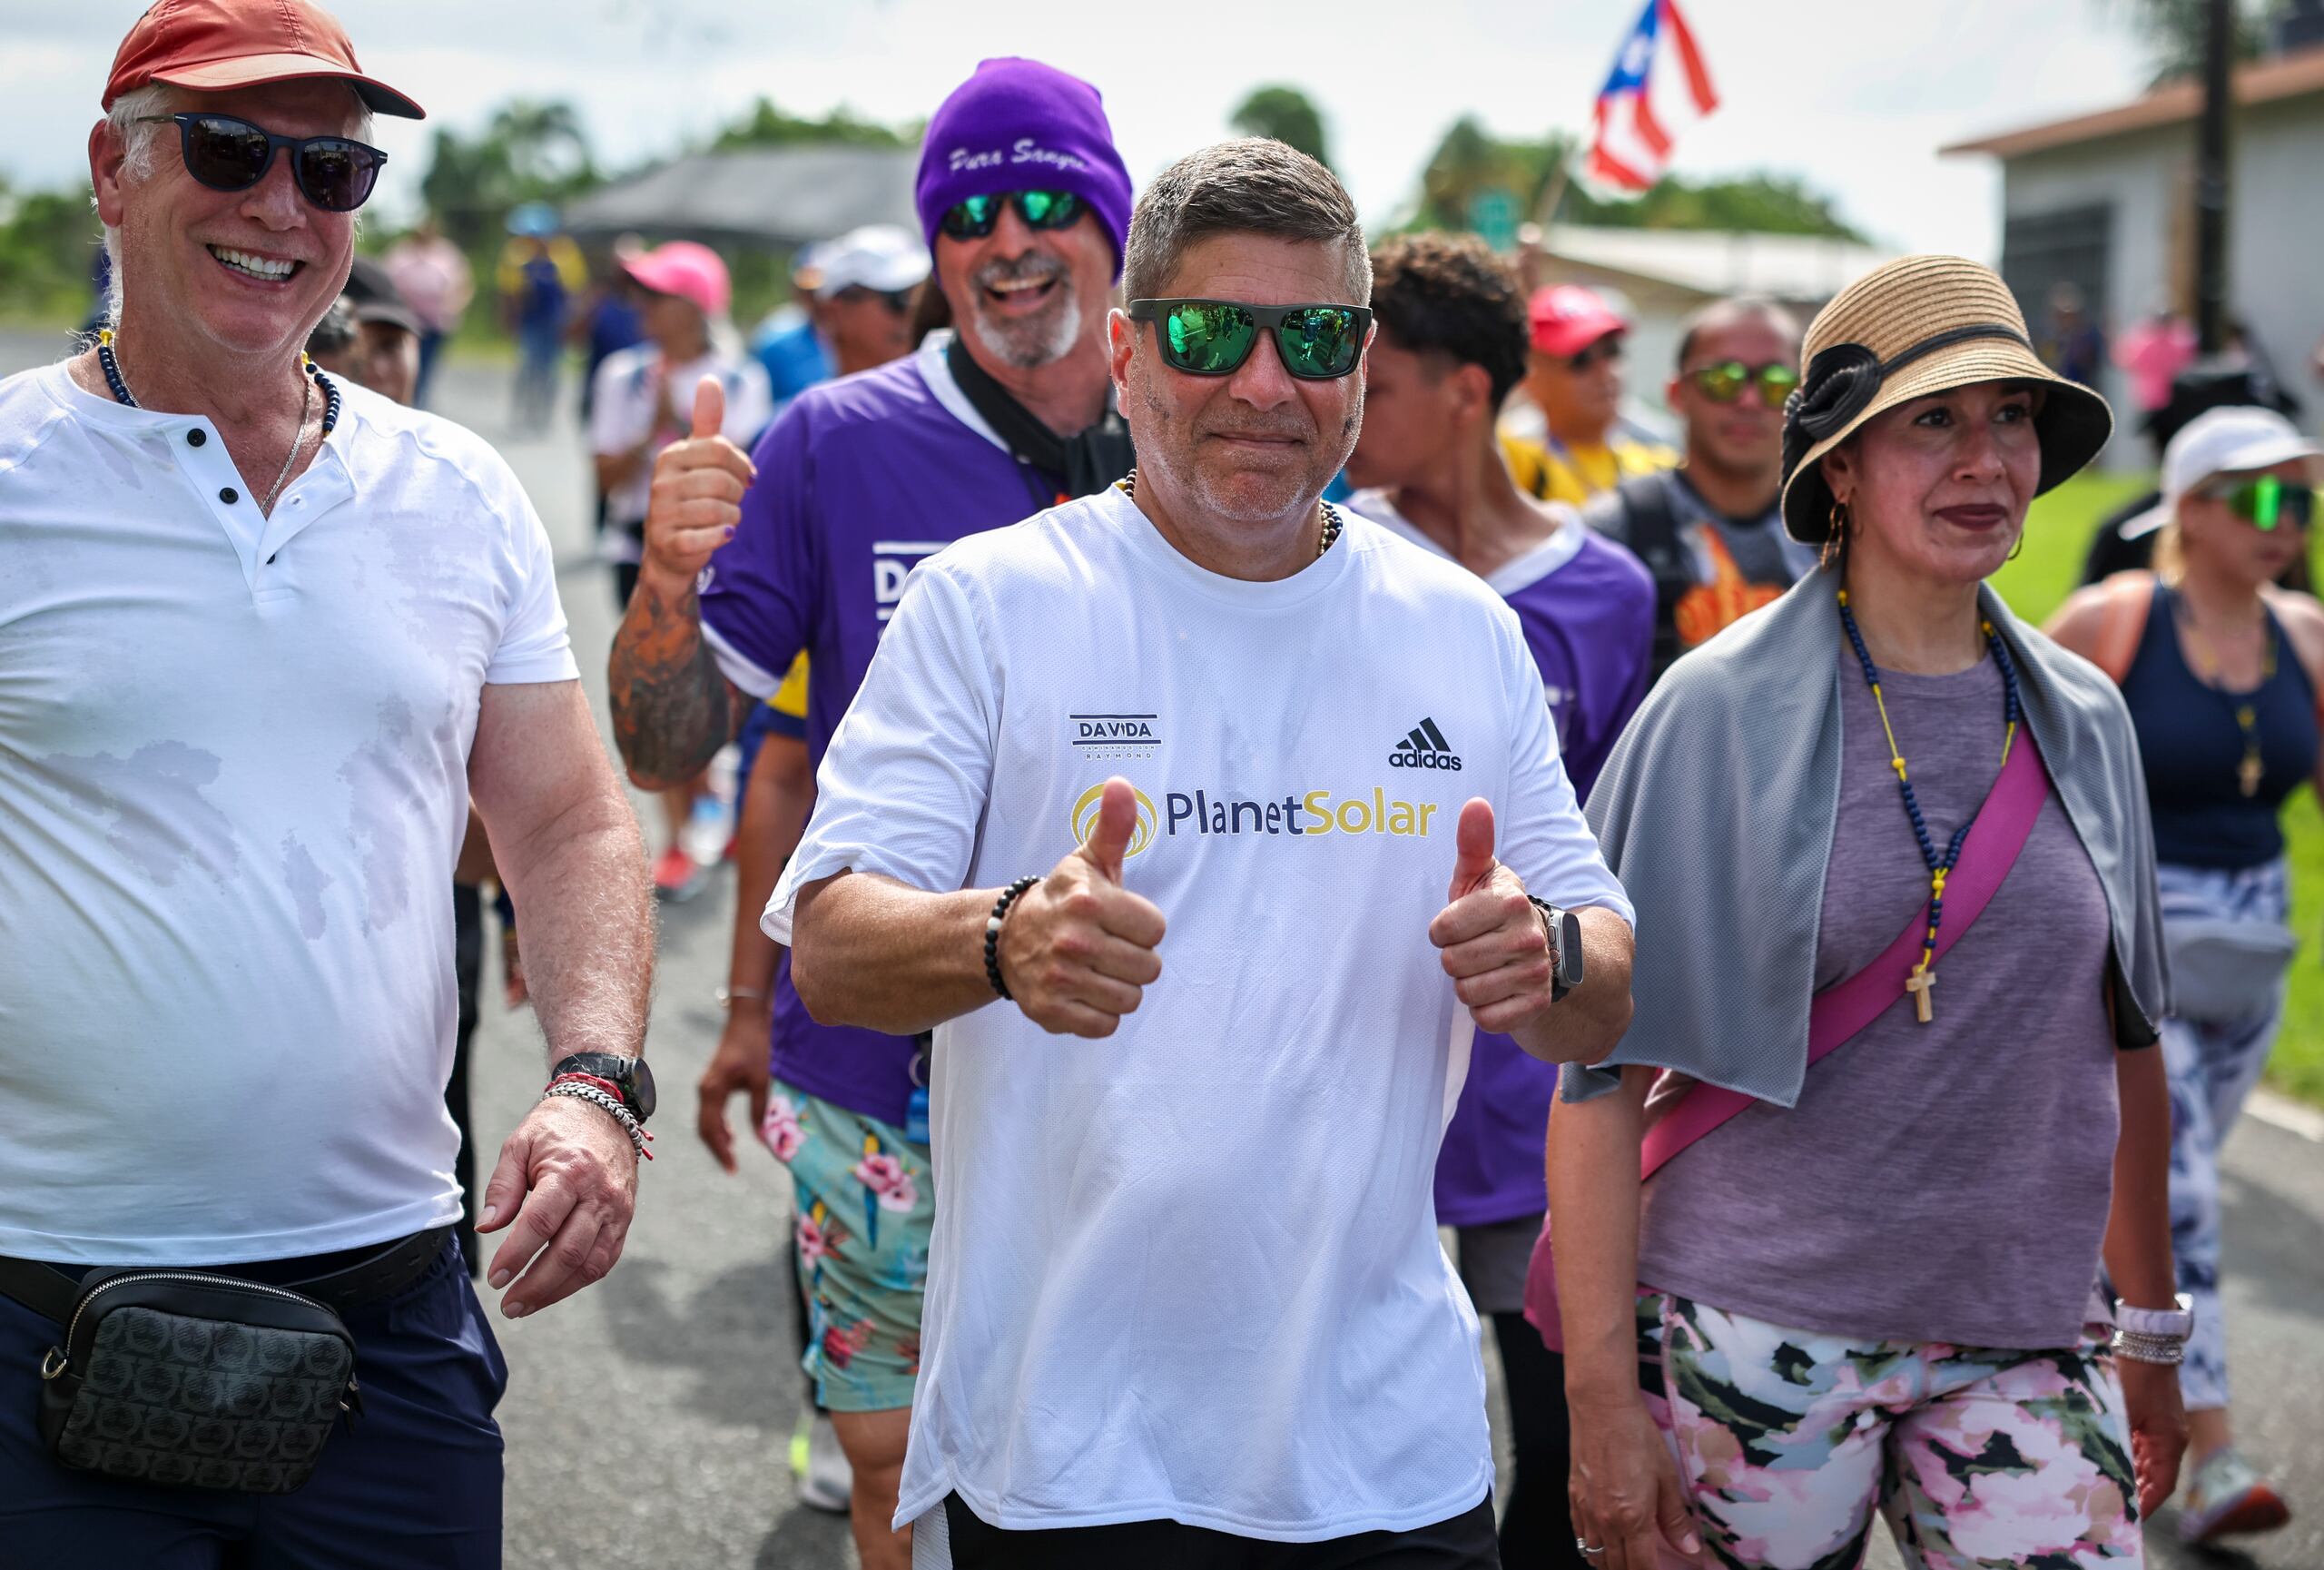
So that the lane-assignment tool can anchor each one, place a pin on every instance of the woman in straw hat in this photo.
(2220, 669)
(1864, 1280)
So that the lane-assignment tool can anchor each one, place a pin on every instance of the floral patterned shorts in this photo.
(866, 1206)
(1790, 1442)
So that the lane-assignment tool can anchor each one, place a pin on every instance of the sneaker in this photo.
(2226, 1496)
(818, 1465)
(675, 875)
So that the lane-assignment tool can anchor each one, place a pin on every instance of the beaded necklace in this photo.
(120, 386)
(1129, 483)
(1924, 976)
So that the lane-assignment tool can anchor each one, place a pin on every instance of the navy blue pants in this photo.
(415, 1484)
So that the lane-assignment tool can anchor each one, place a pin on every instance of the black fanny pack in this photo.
(194, 1379)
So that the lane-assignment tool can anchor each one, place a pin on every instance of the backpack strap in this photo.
(2124, 599)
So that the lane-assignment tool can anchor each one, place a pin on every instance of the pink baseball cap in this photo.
(1568, 319)
(692, 272)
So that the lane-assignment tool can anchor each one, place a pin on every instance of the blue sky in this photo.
(1853, 95)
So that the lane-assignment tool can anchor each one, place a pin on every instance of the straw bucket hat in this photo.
(1919, 325)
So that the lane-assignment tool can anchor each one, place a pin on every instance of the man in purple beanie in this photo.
(1026, 206)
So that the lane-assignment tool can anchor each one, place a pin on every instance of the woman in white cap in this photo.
(2220, 669)
(1862, 1282)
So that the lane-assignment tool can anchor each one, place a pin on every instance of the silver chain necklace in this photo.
(119, 380)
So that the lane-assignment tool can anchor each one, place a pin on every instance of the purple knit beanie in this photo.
(1021, 125)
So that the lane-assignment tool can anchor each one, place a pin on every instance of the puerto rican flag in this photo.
(1629, 145)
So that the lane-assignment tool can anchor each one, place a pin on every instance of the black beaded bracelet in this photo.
(992, 932)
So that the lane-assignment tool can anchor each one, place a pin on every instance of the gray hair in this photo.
(137, 118)
(1255, 185)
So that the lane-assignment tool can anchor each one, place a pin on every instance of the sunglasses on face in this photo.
(896, 300)
(2266, 501)
(1726, 382)
(334, 172)
(1605, 352)
(974, 219)
(1214, 337)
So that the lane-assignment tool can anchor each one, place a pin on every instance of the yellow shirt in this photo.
(1575, 474)
(790, 698)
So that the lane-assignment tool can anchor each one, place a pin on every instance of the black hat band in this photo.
(1843, 380)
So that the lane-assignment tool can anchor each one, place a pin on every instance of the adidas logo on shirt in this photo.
(1424, 747)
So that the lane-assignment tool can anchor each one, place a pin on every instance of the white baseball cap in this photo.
(2243, 439)
(879, 256)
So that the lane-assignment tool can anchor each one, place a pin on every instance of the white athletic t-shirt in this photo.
(234, 781)
(1191, 1271)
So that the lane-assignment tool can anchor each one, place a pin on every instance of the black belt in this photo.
(50, 1289)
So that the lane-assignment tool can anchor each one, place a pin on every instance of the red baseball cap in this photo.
(690, 271)
(1568, 319)
(210, 46)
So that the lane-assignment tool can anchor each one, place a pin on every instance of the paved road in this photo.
(647, 1418)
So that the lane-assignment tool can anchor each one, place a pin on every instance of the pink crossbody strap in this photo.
(1839, 1013)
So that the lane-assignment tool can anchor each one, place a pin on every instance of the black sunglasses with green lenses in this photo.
(974, 218)
(1726, 382)
(1214, 337)
(2266, 500)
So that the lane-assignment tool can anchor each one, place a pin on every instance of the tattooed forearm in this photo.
(670, 707)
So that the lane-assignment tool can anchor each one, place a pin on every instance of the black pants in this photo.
(1537, 1529)
(1463, 1543)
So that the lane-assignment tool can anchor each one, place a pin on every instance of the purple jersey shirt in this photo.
(1587, 606)
(859, 480)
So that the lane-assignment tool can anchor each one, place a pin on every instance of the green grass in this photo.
(2056, 537)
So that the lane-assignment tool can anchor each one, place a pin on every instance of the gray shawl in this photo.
(1716, 810)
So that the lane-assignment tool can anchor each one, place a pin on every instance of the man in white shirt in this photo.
(1186, 1305)
(262, 634)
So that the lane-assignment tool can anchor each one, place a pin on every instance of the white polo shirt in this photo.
(1190, 1271)
(233, 780)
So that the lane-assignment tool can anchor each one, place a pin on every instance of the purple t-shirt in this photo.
(1947, 1181)
(859, 480)
(1587, 606)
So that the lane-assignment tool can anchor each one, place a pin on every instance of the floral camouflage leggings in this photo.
(1789, 1441)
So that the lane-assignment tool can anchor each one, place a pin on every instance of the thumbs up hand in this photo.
(1494, 944)
(697, 493)
(1077, 949)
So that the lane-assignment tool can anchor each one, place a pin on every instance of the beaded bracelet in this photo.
(1008, 896)
(578, 1092)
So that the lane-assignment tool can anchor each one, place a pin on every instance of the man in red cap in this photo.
(1566, 440)
(267, 636)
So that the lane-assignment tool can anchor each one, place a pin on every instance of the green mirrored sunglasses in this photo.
(1725, 382)
(1214, 337)
(2266, 500)
(974, 218)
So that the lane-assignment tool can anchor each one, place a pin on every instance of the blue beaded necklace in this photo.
(1924, 976)
(120, 385)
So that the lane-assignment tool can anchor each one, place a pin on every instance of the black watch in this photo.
(1564, 929)
(629, 1075)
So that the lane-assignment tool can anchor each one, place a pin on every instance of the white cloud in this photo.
(1852, 97)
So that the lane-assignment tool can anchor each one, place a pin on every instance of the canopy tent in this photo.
(780, 197)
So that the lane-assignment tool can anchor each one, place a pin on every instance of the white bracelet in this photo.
(595, 1097)
(2166, 1351)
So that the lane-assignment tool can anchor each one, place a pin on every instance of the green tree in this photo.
(1288, 115)
(528, 151)
(768, 126)
(1469, 160)
(2176, 31)
(48, 241)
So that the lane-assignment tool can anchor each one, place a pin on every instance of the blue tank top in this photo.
(2193, 747)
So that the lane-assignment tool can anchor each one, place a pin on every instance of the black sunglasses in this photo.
(896, 300)
(974, 219)
(334, 172)
(1214, 337)
(1608, 347)
(1725, 381)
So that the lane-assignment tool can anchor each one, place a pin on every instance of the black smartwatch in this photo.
(1564, 929)
(630, 1076)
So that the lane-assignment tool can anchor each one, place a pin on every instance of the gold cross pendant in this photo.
(2250, 773)
(1922, 981)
